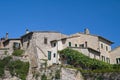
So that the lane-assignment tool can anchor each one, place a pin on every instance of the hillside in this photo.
(79, 67)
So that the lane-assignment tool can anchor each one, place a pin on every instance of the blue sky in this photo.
(102, 17)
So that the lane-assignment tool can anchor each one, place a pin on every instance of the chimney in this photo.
(27, 31)
(6, 36)
(86, 31)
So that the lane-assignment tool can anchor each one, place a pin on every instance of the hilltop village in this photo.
(40, 45)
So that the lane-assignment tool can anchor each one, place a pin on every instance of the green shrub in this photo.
(4, 63)
(43, 77)
(1, 68)
(19, 68)
(18, 52)
(116, 66)
(85, 64)
(57, 74)
(78, 59)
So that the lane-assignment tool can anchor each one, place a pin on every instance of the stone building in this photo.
(8, 45)
(2, 40)
(41, 46)
(90, 45)
(115, 55)
(12, 44)
(37, 46)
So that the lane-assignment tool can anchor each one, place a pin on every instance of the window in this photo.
(102, 46)
(118, 60)
(54, 44)
(103, 58)
(106, 48)
(45, 40)
(86, 44)
(49, 55)
(54, 55)
(16, 45)
(108, 60)
(69, 44)
(29, 37)
(75, 45)
(81, 45)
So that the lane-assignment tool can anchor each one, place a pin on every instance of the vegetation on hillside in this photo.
(18, 52)
(4, 62)
(16, 68)
(79, 60)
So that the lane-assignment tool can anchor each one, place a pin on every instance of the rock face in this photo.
(70, 74)
(102, 76)
(9, 77)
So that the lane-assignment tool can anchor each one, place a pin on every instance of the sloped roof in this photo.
(38, 32)
(115, 48)
(11, 39)
(100, 37)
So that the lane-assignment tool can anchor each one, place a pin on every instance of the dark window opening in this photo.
(28, 44)
(86, 44)
(54, 44)
(54, 55)
(102, 46)
(29, 37)
(75, 45)
(103, 58)
(69, 44)
(45, 40)
(16, 45)
(81, 45)
(118, 60)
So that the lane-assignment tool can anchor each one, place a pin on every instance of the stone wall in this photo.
(102, 76)
(115, 53)
(70, 74)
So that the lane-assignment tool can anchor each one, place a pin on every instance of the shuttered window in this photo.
(49, 55)
(69, 44)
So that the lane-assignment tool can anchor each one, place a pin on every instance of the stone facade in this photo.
(102, 76)
(38, 44)
(11, 44)
(44, 45)
(90, 45)
(115, 56)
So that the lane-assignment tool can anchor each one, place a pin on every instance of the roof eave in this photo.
(106, 39)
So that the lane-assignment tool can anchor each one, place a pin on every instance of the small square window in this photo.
(54, 44)
(54, 55)
(106, 48)
(75, 45)
(81, 45)
(118, 60)
(102, 46)
(103, 58)
(16, 45)
(45, 40)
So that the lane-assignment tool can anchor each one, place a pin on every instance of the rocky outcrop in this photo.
(102, 76)
(8, 76)
(71, 74)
